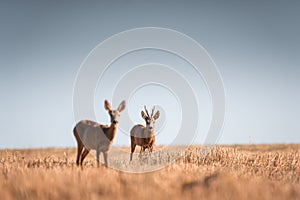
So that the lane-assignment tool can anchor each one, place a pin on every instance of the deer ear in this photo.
(107, 105)
(144, 116)
(156, 116)
(121, 106)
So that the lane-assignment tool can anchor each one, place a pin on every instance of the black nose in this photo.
(115, 121)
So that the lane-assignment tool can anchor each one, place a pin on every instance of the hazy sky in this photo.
(255, 44)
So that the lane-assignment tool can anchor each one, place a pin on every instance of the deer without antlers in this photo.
(144, 136)
(92, 135)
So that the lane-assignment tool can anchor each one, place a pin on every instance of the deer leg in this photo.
(79, 151)
(84, 154)
(141, 151)
(105, 158)
(132, 149)
(97, 157)
(150, 151)
(79, 145)
(148, 154)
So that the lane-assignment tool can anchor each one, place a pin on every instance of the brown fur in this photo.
(143, 136)
(145, 142)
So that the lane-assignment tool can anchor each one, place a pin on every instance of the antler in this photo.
(147, 111)
(152, 111)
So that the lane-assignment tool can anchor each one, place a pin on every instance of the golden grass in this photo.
(227, 172)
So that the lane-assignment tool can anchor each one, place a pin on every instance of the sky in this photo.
(255, 45)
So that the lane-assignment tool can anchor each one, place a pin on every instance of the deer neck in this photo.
(149, 132)
(111, 131)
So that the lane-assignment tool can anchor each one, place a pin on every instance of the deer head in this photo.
(150, 119)
(114, 114)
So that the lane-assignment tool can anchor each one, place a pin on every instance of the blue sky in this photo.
(255, 44)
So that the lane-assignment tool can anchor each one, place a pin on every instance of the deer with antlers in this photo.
(144, 136)
(92, 135)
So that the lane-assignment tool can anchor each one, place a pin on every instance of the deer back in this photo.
(92, 135)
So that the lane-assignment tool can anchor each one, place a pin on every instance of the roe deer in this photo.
(92, 135)
(144, 136)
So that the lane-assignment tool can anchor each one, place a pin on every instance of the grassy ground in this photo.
(227, 172)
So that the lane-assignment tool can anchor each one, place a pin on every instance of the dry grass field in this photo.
(227, 172)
